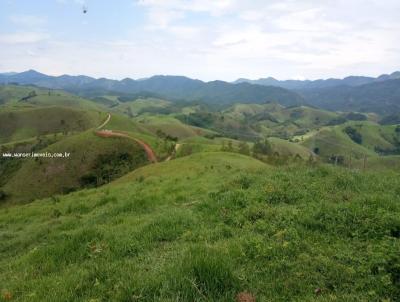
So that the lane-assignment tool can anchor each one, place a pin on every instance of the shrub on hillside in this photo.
(354, 116)
(353, 134)
(30, 95)
(198, 119)
(111, 166)
(3, 195)
(262, 147)
(336, 121)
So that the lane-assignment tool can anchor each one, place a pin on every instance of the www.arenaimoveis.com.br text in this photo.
(35, 155)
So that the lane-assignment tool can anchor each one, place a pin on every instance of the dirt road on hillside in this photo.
(177, 146)
(105, 122)
(111, 133)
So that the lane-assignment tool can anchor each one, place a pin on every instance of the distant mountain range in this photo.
(168, 87)
(308, 84)
(381, 97)
(353, 93)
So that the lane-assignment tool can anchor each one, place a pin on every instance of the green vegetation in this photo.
(90, 156)
(222, 224)
(110, 166)
(262, 147)
(169, 125)
(26, 96)
(353, 134)
(381, 97)
(140, 106)
(28, 123)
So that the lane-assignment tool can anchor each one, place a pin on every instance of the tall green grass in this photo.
(205, 228)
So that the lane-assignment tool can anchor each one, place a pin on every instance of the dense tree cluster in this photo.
(353, 134)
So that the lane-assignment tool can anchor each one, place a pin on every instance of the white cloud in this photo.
(23, 37)
(161, 18)
(226, 39)
(80, 2)
(27, 20)
(210, 6)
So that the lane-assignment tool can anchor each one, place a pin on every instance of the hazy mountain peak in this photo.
(395, 75)
(31, 72)
(350, 81)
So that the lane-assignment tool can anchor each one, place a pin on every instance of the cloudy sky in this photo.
(204, 39)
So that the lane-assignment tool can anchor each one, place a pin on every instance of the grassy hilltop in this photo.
(206, 228)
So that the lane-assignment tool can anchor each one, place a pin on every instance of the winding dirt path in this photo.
(110, 133)
(177, 146)
(116, 133)
(105, 122)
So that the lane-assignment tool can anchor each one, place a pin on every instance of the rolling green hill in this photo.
(138, 106)
(330, 141)
(209, 227)
(286, 148)
(246, 111)
(170, 126)
(253, 121)
(279, 147)
(28, 96)
(22, 123)
(357, 139)
(374, 136)
(92, 161)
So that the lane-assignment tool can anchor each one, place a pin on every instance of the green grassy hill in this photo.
(140, 106)
(170, 126)
(93, 161)
(146, 130)
(368, 139)
(307, 116)
(29, 96)
(245, 111)
(197, 144)
(209, 227)
(13, 93)
(376, 137)
(23, 123)
(286, 148)
(333, 141)
(279, 147)
(275, 120)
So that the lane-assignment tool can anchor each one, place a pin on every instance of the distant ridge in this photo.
(308, 84)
